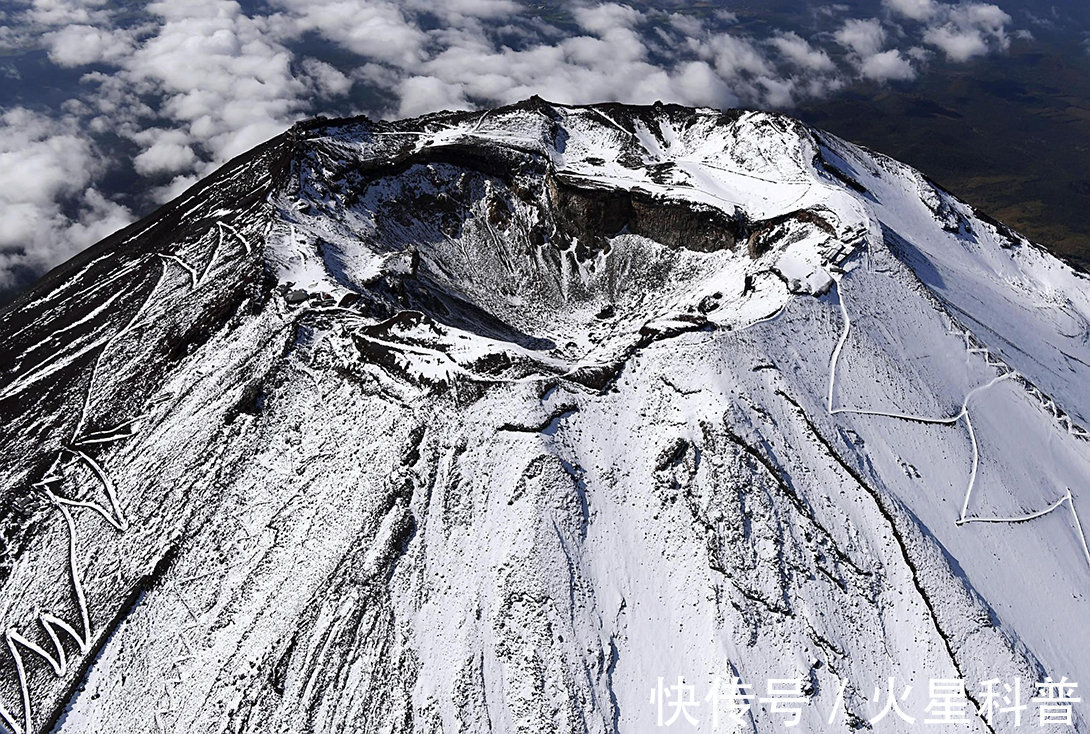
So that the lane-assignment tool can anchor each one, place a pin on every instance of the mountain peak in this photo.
(491, 421)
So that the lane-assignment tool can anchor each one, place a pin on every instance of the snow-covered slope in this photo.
(490, 422)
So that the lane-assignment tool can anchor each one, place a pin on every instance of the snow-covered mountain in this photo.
(502, 422)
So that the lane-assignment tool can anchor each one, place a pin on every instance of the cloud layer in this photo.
(187, 85)
(49, 205)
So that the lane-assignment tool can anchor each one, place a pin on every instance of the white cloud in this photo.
(990, 19)
(223, 82)
(799, 52)
(958, 45)
(602, 19)
(610, 62)
(421, 94)
(887, 66)
(465, 64)
(40, 158)
(98, 218)
(167, 151)
(968, 30)
(463, 10)
(917, 53)
(80, 45)
(45, 164)
(864, 37)
(914, 9)
(699, 84)
(174, 189)
(327, 80)
(374, 29)
(735, 56)
(687, 24)
(68, 12)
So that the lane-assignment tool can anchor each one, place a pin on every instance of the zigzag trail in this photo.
(963, 414)
(114, 516)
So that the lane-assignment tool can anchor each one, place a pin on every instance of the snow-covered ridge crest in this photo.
(487, 421)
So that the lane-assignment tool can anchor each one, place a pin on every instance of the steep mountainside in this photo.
(489, 422)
